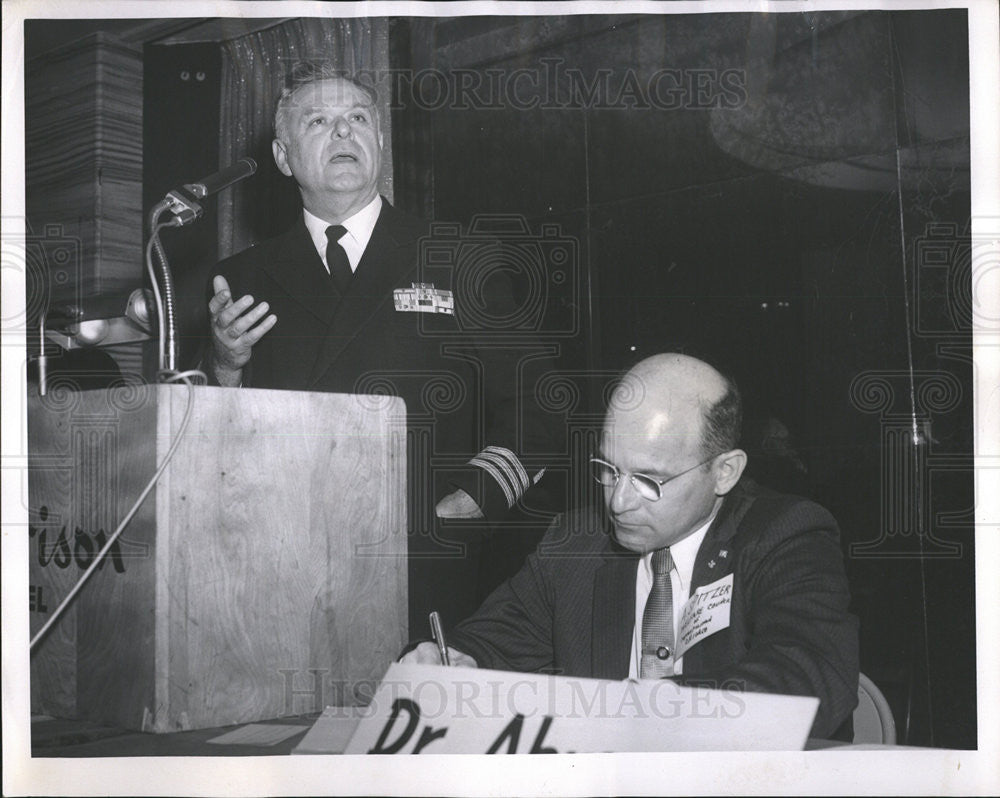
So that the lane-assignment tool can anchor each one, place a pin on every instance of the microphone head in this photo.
(224, 178)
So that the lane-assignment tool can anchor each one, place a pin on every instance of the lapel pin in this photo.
(723, 553)
(711, 563)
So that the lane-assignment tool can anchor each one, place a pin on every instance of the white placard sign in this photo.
(705, 613)
(431, 709)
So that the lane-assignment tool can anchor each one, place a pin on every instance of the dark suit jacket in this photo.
(457, 373)
(571, 608)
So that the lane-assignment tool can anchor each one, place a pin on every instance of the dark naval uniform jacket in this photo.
(469, 414)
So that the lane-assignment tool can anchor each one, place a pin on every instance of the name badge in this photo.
(424, 298)
(705, 613)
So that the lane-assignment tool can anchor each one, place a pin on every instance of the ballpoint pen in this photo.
(438, 634)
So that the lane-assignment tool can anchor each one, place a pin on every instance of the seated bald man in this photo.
(602, 595)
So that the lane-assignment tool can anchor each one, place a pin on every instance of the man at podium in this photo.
(691, 574)
(345, 302)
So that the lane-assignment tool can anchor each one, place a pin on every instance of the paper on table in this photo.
(258, 734)
(332, 730)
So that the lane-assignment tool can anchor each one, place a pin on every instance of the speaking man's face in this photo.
(331, 144)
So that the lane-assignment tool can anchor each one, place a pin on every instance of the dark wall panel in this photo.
(180, 145)
(765, 235)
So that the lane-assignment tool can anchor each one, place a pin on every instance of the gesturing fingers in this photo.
(231, 311)
(241, 323)
(222, 298)
(236, 326)
(220, 284)
(253, 335)
(238, 330)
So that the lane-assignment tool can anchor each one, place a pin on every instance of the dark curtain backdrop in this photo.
(253, 71)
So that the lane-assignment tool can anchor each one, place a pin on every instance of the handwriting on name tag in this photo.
(705, 613)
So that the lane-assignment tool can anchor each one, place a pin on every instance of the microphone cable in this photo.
(190, 379)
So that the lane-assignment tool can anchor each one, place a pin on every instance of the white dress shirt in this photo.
(683, 553)
(359, 232)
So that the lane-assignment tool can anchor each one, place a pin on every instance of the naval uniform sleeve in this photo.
(496, 479)
(515, 438)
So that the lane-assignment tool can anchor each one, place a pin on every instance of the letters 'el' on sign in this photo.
(431, 709)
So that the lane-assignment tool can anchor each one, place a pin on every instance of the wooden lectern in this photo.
(264, 576)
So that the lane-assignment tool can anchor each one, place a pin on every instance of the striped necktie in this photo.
(658, 621)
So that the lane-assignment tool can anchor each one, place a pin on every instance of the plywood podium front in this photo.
(264, 576)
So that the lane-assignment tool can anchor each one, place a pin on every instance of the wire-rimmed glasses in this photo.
(646, 485)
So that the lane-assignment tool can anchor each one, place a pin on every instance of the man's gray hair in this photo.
(305, 73)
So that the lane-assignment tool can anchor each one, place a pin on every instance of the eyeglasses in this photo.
(608, 474)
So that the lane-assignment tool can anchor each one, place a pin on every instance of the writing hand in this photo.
(427, 654)
(458, 505)
(235, 329)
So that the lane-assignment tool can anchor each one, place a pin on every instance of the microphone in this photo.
(224, 178)
(184, 202)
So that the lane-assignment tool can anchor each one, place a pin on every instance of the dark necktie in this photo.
(340, 267)
(658, 621)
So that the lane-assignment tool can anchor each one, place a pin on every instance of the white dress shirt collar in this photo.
(683, 553)
(355, 240)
